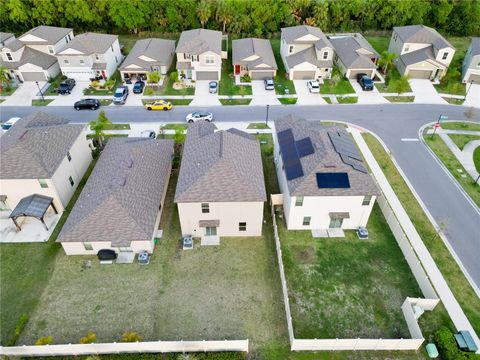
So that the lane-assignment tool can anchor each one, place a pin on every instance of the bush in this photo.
(148, 91)
(22, 322)
(90, 338)
(447, 346)
(174, 76)
(94, 84)
(245, 78)
(109, 83)
(153, 77)
(130, 337)
(44, 340)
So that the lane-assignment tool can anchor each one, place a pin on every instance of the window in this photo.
(43, 183)
(69, 37)
(111, 47)
(71, 181)
(65, 61)
(445, 55)
(209, 59)
(186, 56)
(3, 204)
(205, 208)
(69, 157)
(9, 56)
(97, 57)
(116, 59)
(407, 47)
(290, 49)
(82, 61)
(88, 246)
(299, 201)
(50, 50)
(306, 220)
(242, 226)
(366, 200)
(325, 55)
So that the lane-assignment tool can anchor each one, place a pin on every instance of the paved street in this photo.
(392, 122)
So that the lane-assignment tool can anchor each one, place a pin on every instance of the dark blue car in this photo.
(365, 82)
(138, 87)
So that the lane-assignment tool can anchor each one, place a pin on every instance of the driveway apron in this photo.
(202, 95)
(24, 95)
(425, 92)
(367, 97)
(262, 96)
(304, 96)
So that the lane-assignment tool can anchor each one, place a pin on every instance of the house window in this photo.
(306, 220)
(71, 181)
(69, 157)
(69, 37)
(407, 47)
(65, 61)
(116, 60)
(209, 59)
(97, 57)
(290, 49)
(111, 47)
(82, 61)
(43, 183)
(186, 56)
(366, 200)
(325, 55)
(242, 226)
(3, 204)
(445, 55)
(50, 50)
(9, 56)
(299, 201)
(87, 246)
(205, 208)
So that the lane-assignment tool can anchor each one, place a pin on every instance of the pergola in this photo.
(34, 206)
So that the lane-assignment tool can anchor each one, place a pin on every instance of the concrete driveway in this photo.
(473, 96)
(304, 96)
(133, 99)
(203, 96)
(262, 96)
(425, 92)
(75, 95)
(367, 97)
(24, 94)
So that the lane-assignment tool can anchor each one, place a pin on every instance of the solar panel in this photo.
(294, 170)
(304, 147)
(333, 180)
(292, 151)
(349, 154)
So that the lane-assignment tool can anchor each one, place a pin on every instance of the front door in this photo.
(237, 69)
(189, 74)
(335, 223)
(210, 231)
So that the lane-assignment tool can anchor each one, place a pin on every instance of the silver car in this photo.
(120, 95)
(199, 116)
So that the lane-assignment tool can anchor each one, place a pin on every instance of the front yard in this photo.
(338, 84)
(227, 83)
(118, 82)
(281, 81)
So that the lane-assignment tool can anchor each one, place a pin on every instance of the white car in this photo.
(148, 134)
(313, 86)
(199, 116)
(9, 123)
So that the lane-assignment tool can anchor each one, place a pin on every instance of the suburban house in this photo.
(147, 56)
(31, 57)
(422, 52)
(42, 154)
(354, 55)
(5, 38)
(221, 188)
(89, 55)
(121, 204)
(471, 63)
(306, 53)
(324, 182)
(199, 55)
(253, 57)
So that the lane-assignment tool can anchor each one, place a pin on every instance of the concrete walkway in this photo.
(448, 299)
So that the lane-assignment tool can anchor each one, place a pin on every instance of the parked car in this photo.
(138, 87)
(92, 104)
(212, 87)
(9, 123)
(365, 82)
(120, 95)
(159, 105)
(148, 134)
(66, 86)
(199, 115)
(313, 86)
(269, 84)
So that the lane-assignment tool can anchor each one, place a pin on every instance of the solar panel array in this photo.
(345, 147)
(337, 180)
(292, 151)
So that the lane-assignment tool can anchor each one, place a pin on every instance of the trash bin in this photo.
(432, 351)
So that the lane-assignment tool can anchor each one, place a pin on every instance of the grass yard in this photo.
(288, 101)
(118, 81)
(401, 99)
(41, 102)
(281, 81)
(454, 101)
(227, 83)
(340, 87)
(454, 125)
(115, 126)
(174, 127)
(8, 90)
(347, 99)
(235, 101)
(327, 99)
(476, 158)
(258, 126)
(54, 85)
(167, 89)
(389, 86)
(461, 140)
(379, 43)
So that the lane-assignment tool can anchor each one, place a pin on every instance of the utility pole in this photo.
(266, 119)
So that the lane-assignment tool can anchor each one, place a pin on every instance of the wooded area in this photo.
(240, 17)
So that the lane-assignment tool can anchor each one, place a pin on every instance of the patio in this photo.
(32, 229)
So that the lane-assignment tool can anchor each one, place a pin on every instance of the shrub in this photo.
(90, 338)
(447, 346)
(22, 322)
(148, 91)
(44, 340)
(64, 77)
(109, 83)
(130, 337)
(153, 77)
(245, 78)
(174, 76)
(94, 84)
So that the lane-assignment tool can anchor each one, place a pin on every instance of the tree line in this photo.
(240, 17)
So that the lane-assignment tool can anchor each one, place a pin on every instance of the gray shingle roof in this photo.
(35, 146)
(291, 34)
(475, 46)
(160, 50)
(244, 48)
(14, 45)
(422, 34)
(121, 198)
(31, 56)
(354, 51)
(5, 36)
(417, 56)
(308, 55)
(91, 43)
(220, 166)
(324, 159)
(198, 41)
(51, 34)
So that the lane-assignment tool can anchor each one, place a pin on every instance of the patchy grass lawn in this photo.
(8, 90)
(167, 89)
(54, 85)
(461, 140)
(392, 76)
(41, 102)
(379, 43)
(347, 99)
(281, 80)
(115, 126)
(453, 101)
(227, 83)
(105, 102)
(401, 99)
(118, 82)
(327, 99)
(259, 126)
(343, 86)
(182, 127)
(235, 101)
(288, 101)
(476, 158)
(458, 125)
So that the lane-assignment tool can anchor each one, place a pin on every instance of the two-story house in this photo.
(31, 57)
(221, 188)
(253, 57)
(306, 53)
(147, 56)
(199, 55)
(42, 154)
(471, 63)
(89, 55)
(325, 184)
(422, 52)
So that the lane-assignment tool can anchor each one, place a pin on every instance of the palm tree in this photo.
(204, 11)
(386, 60)
(224, 13)
(98, 126)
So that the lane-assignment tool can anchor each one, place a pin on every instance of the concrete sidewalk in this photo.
(448, 299)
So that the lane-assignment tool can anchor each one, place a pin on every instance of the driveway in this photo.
(262, 96)
(473, 96)
(367, 97)
(425, 92)
(202, 95)
(133, 99)
(75, 95)
(24, 94)
(304, 96)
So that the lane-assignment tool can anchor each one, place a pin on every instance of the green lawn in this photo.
(288, 101)
(476, 158)
(454, 125)
(401, 99)
(7, 91)
(456, 281)
(175, 127)
(342, 86)
(454, 101)
(118, 82)
(227, 83)
(41, 102)
(392, 76)
(347, 99)
(54, 85)
(235, 101)
(281, 81)
(115, 126)
(167, 89)
(461, 140)
(105, 102)
(259, 126)
(379, 43)
(327, 100)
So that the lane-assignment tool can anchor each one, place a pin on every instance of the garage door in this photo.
(78, 75)
(353, 73)
(33, 76)
(262, 75)
(207, 75)
(420, 74)
(303, 75)
(475, 78)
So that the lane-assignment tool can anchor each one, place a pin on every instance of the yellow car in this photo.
(159, 105)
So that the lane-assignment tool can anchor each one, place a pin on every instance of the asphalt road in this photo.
(458, 216)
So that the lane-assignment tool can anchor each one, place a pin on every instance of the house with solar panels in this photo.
(325, 183)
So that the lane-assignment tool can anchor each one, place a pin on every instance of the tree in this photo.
(386, 60)
(3, 76)
(179, 136)
(130, 15)
(224, 13)
(204, 11)
(401, 85)
(90, 338)
(174, 76)
(98, 126)
(130, 337)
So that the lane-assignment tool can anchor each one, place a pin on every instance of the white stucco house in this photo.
(422, 52)
(122, 202)
(31, 57)
(471, 63)
(45, 155)
(199, 55)
(253, 57)
(306, 53)
(89, 55)
(324, 182)
(221, 188)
